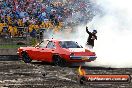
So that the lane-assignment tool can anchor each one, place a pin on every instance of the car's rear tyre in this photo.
(58, 61)
(82, 80)
(26, 58)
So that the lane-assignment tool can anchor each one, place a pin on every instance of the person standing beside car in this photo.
(91, 38)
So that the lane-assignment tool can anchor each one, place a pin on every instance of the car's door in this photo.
(36, 51)
(33, 53)
(47, 52)
(41, 51)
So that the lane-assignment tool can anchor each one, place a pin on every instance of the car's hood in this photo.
(26, 48)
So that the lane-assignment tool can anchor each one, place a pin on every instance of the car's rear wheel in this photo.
(26, 58)
(58, 61)
(82, 80)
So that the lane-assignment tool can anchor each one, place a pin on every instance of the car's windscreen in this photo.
(69, 44)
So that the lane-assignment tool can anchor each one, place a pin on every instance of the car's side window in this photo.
(43, 44)
(50, 45)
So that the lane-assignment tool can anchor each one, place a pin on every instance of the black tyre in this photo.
(26, 58)
(58, 61)
(82, 80)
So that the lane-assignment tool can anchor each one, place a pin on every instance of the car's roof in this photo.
(56, 40)
(51, 39)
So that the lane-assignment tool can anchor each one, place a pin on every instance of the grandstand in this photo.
(25, 18)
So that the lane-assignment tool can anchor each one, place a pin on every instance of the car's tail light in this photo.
(94, 53)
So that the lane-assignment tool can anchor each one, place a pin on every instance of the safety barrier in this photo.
(9, 58)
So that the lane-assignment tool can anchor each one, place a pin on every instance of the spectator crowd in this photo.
(17, 16)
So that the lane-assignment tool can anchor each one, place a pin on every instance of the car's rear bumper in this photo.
(83, 58)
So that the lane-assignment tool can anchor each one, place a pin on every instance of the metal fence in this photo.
(22, 38)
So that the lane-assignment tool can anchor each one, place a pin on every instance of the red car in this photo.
(58, 52)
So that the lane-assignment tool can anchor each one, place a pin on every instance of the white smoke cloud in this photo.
(114, 26)
(114, 44)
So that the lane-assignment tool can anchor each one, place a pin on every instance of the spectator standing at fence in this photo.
(33, 33)
(52, 17)
(56, 22)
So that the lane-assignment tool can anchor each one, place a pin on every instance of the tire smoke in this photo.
(114, 44)
(114, 26)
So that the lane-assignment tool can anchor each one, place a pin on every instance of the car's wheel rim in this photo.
(57, 61)
(60, 62)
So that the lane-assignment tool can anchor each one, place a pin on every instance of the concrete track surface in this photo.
(17, 74)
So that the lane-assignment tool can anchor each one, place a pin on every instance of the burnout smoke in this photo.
(114, 26)
(114, 44)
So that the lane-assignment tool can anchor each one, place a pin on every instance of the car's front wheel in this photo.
(26, 58)
(58, 61)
